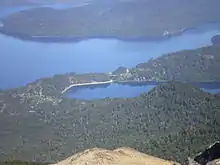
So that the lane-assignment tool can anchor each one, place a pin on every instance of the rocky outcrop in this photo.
(128, 156)
(120, 156)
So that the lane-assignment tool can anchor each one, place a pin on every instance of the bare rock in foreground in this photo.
(120, 156)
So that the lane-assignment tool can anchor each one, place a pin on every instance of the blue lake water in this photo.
(126, 91)
(112, 91)
(23, 61)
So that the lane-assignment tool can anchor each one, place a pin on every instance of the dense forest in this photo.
(118, 19)
(200, 65)
(172, 121)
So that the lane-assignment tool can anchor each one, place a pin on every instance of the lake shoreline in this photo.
(74, 39)
(132, 83)
(130, 89)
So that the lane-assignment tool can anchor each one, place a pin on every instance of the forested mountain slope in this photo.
(173, 120)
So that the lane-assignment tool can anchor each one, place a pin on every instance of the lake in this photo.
(24, 61)
(126, 91)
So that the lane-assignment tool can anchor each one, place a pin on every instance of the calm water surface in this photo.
(23, 62)
(126, 91)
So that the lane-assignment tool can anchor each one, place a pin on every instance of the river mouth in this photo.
(128, 90)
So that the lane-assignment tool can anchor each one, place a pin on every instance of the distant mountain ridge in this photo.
(126, 20)
(16, 3)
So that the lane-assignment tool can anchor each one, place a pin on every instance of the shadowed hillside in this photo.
(15, 3)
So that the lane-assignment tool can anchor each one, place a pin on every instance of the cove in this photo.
(23, 62)
(126, 90)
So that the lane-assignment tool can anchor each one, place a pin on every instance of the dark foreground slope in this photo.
(136, 19)
(173, 120)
